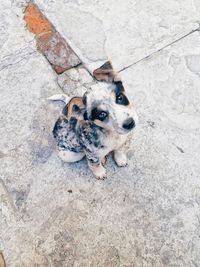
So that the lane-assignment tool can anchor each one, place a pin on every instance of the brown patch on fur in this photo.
(2, 261)
(106, 73)
(113, 95)
(75, 101)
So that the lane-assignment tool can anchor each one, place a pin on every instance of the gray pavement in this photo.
(145, 215)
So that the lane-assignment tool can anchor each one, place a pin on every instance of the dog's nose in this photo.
(129, 124)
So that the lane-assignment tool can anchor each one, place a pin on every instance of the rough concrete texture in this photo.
(147, 214)
(125, 31)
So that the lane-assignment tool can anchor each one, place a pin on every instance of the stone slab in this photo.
(121, 31)
(165, 89)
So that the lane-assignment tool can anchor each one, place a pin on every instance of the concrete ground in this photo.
(144, 215)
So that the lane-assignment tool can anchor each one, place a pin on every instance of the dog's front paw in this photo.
(120, 159)
(103, 161)
(99, 172)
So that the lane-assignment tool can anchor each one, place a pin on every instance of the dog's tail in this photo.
(60, 97)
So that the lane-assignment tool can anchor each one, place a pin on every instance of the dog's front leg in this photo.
(120, 156)
(95, 165)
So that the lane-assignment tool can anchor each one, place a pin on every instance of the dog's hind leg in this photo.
(70, 156)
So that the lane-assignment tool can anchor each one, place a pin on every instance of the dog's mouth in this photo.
(123, 131)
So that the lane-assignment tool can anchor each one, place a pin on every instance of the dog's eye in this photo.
(102, 115)
(76, 108)
(97, 114)
(121, 99)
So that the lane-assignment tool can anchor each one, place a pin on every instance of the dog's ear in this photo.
(106, 73)
(84, 99)
(65, 110)
(74, 106)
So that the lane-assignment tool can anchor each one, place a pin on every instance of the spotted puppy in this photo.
(97, 124)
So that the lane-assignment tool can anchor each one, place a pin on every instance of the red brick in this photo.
(57, 51)
(36, 21)
(50, 42)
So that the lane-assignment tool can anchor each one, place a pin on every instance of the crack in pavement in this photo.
(160, 49)
(16, 57)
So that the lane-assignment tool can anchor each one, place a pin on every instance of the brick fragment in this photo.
(36, 21)
(49, 41)
(57, 51)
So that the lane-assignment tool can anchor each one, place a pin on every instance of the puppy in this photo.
(97, 124)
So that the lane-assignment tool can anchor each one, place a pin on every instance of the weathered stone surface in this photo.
(165, 88)
(53, 213)
(88, 42)
(11, 25)
(193, 63)
(57, 52)
(122, 31)
(75, 82)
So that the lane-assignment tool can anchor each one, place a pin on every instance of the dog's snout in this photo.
(129, 124)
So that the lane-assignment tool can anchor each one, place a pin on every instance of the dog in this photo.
(97, 123)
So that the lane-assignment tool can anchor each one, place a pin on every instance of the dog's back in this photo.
(65, 135)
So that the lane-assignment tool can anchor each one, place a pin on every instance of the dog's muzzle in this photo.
(129, 124)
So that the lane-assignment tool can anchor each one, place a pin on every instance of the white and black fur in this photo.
(100, 125)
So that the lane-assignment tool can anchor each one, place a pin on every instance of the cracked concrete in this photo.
(147, 214)
(125, 31)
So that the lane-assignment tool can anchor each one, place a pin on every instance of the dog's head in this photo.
(107, 102)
